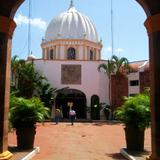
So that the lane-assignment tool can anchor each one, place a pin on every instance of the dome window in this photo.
(71, 54)
(51, 54)
(91, 56)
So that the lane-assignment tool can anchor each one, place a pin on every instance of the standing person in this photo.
(72, 115)
(57, 115)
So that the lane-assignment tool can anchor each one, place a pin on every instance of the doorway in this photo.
(74, 99)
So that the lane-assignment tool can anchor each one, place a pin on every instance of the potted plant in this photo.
(23, 115)
(135, 114)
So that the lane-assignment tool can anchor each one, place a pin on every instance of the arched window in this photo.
(51, 54)
(95, 107)
(91, 56)
(71, 54)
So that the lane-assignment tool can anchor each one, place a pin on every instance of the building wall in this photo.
(121, 85)
(144, 80)
(119, 89)
(92, 81)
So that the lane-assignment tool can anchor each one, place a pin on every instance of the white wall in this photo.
(93, 82)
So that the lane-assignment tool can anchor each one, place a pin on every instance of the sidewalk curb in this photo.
(31, 154)
(126, 155)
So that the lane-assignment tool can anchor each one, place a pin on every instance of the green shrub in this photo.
(135, 112)
(26, 112)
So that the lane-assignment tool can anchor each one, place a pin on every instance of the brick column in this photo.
(7, 27)
(153, 27)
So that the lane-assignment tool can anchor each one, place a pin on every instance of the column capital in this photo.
(152, 23)
(7, 26)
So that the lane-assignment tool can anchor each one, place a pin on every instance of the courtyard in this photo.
(82, 141)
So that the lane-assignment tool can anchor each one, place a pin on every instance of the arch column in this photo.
(153, 28)
(7, 27)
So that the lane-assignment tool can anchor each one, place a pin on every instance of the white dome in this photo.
(31, 56)
(71, 25)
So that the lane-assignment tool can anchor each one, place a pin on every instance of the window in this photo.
(134, 83)
(71, 54)
(132, 94)
(91, 55)
(51, 54)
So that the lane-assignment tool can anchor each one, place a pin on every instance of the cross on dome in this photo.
(71, 4)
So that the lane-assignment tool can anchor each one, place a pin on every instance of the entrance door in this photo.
(71, 98)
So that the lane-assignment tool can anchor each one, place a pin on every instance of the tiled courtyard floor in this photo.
(83, 141)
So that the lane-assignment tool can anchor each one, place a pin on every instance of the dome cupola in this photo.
(71, 25)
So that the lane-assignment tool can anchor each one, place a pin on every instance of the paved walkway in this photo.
(83, 141)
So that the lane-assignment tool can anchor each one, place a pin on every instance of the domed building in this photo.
(71, 36)
(71, 54)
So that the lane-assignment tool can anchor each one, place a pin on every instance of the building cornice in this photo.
(71, 42)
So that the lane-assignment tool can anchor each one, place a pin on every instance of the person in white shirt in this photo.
(72, 115)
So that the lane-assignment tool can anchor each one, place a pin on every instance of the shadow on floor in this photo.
(116, 156)
(106, 123)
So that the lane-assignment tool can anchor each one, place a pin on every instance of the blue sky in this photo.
(130, 35)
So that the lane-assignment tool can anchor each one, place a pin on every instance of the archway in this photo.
(7, 26)
(71, 98)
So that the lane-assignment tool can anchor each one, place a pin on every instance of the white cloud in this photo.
(36, 22)
(107, 52)
(109, 49)
(119, 50)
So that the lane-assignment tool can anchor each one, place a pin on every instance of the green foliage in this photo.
(135, 112)
(29, 78)
(45, 93)
(25, 79)
(26, 112)
(120, 64)
(108, 67)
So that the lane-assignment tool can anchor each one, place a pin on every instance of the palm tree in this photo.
(114, 65)
(108, 68)
(120, 63)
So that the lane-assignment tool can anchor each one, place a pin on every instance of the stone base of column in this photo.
(151, 158)
(6, 155)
